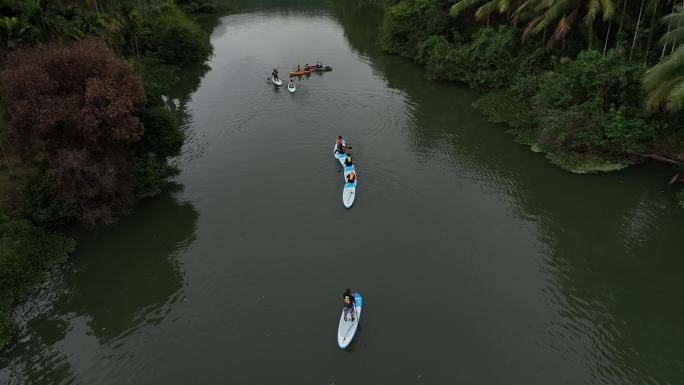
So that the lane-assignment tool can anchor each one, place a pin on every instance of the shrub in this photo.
(175, 39)
(592, 106)
(162, 135)
(491, 57)
(197, 6)
(410, 22)
(442, 61)
(44, 203)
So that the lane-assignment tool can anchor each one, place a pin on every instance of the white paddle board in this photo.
(339, 156)
(349, 190)
(347, 329)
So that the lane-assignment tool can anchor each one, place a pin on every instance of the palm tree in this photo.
(636, 31)
(13, 31)
(486, 9)
(665, 80)
(49, 23)
(564, 13)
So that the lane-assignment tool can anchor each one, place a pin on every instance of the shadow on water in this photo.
(127, 279)
(610, 256)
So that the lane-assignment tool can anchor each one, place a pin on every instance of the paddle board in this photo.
(347, 329)
(340, 157)
(349, 190)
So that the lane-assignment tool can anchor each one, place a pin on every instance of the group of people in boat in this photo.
(341, 148)
(309, 68)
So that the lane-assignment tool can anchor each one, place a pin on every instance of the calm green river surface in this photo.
(479, 262)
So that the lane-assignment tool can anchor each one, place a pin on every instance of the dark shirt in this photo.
(351, 299)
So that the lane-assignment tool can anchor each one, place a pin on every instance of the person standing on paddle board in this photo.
(275, 74)
(349, 302)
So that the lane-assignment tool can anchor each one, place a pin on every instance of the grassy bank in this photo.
(107, 137)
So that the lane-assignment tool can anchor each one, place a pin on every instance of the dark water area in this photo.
(479, 262)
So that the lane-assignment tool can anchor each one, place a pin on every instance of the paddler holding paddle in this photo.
(349, 304)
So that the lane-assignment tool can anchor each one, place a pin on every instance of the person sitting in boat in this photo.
(291, 84)
(275, 74)
(319, 64)
(349, 303)
(348, 160)
(351, 177)
(306, 67)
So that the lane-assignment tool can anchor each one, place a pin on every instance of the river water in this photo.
(478, 261)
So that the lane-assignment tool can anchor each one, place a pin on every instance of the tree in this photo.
(77, 106)
(560, 15)
(564, 13)
(13, 31)
(665, 80)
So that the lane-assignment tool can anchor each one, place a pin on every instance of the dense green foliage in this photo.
(174, 38)
(91, 123)
(409, 23)
(576, 96)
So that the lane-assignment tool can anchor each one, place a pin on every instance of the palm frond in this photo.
(593, 7)
(675, 19)
(669, 68)
(608, 8)
(531, 26)
(675, 99)
(487, 9)
(658, 96)
(676, 35)
(463, 5)
(504, 5)
(556, 10)
(563, 27)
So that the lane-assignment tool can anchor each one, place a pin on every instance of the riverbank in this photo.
(585, 109)
(116, 154)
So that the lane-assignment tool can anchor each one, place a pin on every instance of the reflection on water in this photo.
(609, 258)
(127, 281)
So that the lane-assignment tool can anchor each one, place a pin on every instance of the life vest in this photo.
(348, 159)
(347, 300)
